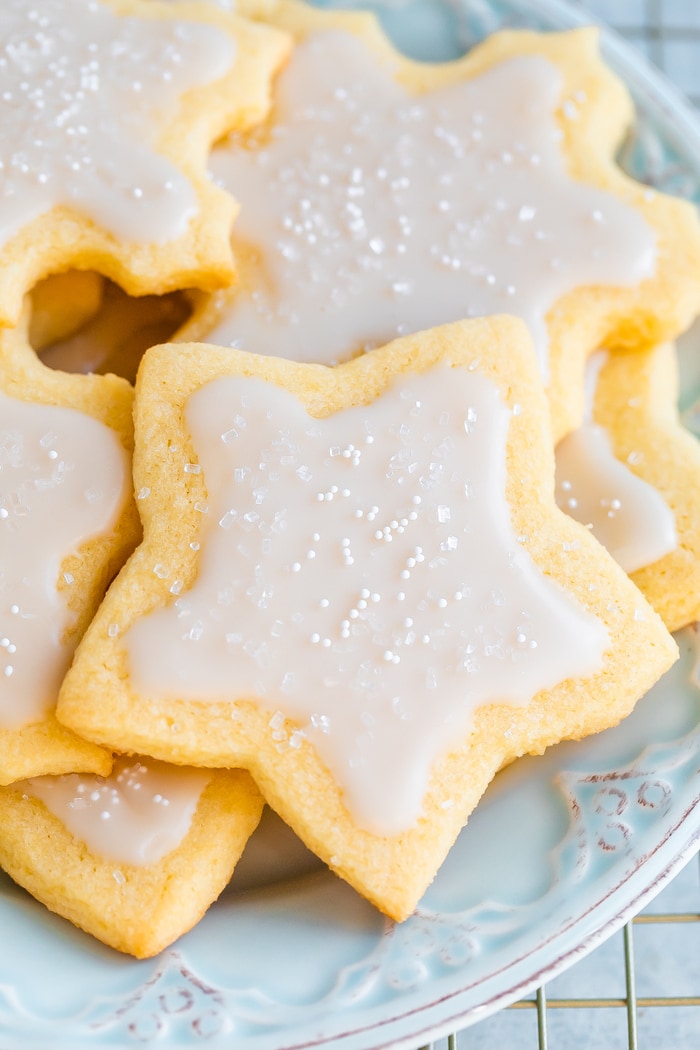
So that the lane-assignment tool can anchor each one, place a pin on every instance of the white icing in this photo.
(84, 94)
(359, 574)
(137, 815)
(624, 512)
(378, 214)
(63, 480)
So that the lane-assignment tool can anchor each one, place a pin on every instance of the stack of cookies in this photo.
(400, 493)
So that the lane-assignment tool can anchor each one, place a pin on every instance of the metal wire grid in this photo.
(631, 1005)
(666, 31)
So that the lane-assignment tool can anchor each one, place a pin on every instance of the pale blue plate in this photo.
(562, 850)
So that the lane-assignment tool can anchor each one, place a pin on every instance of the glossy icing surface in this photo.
(64, 478)
(359, 575)
(135, 816)
(624, 512)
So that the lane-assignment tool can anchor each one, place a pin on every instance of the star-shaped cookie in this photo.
(387, 197)
(355, 583)
(109, 109)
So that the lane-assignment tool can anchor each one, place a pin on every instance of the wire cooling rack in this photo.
(666, 31)
(638, 991)
(641, 989)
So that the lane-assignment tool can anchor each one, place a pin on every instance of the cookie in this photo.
(67, 522)
(632, 473)
(355, 583)
(106, 137)
(387, 197)
(136, 858)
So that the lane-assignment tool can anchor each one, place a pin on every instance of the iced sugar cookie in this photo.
(386, 197)
(632, 472)
(109, 108)
(67, 524)
(135, 858)
(355, 583)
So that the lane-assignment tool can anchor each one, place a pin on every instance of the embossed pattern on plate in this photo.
(560, 852)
